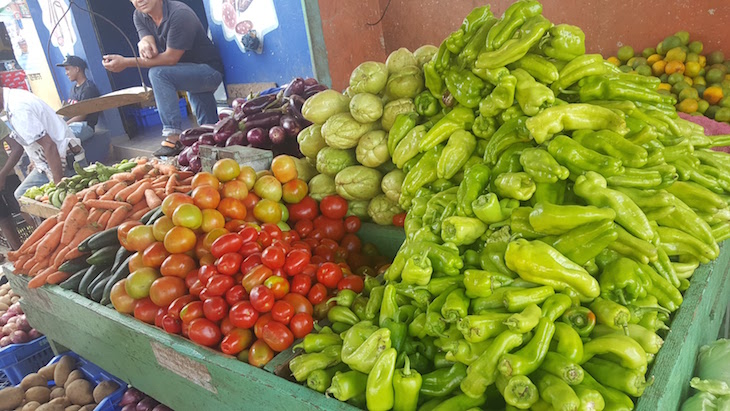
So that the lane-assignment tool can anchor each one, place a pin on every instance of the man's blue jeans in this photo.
(81, 130)
(199, 80)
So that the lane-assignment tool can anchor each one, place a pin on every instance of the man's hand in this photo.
(147, 49)
(31, 167)
(114, 62)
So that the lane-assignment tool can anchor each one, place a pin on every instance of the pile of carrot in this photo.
(126, 196)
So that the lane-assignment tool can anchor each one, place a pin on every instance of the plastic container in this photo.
(95, 374)
(149, 116)
(19, 360)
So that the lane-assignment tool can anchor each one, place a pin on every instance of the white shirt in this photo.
(31, 118)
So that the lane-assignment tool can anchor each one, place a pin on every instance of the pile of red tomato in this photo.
(247, 288)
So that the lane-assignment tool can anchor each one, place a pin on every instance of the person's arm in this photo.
(76, 119)
(52, 157)
(116, 63)
(147, 47)
(16, 152)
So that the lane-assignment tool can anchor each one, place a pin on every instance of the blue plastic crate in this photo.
(93, 373)
(19, 360)
(149, 116)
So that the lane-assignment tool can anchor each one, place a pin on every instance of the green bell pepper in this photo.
(500, 98)
(566, 42)
(379, 391)
(531, 95)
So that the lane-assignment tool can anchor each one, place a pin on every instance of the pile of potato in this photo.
(7, 298)
(69, 391)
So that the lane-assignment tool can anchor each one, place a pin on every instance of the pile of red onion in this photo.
(135, 400)
(15, 327)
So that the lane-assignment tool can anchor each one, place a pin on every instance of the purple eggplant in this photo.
(310, 91)
(257, 104)
(237, 103)
(277, 135)
(237, 139)
(226, 127)
(263, 120)
(290, 125)
(295, 87)
(147, 404)
(184, 157)
(225, 113)
(295, 110)
(190, 136)
(311, 81)
(259, 138)
(207, 139)
(195, 148)
(238, 115)
(162, 407)
(195, 164)
(131, 396)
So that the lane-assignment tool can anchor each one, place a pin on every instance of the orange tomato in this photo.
(294, 191)
(123, 230)
(139, 282)
(165, 290)
(284, 168)
(177, 265)
(180, 240)
(248, 176)
(205, 178)
(154, 255)
(206, 197)
(140, 237)
(146, 311)
(267, 211)
(232, 208)
(121, 301)
(268, 187)
(226, 169)
(212, 219)
(173, 201)
(135, 263)
(161, 227)
(188, 215)
(235, 189)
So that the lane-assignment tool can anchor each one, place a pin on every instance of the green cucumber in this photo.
(90, 276)
(104, 274)
(97, 293)
(74, 265)
(103, 257)
(104, 239)
(151, 216)
(120, 257)
(117, 275)
(72, 283)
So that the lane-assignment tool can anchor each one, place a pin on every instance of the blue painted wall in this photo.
(86, 47)
(286, 52)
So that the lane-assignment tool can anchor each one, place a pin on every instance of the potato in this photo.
(3, 291)
(31, 406)
(11, 398)
(63, 369)
(62, 401)
(39, 394)
(104, 389)
(73, 408)
(33, 380)
(47, 371)
(4, 307)
(89, 407)
(14, 299)
(51, 406)
(79, 392)
(75, 375)
(57, 392)
(6, 299)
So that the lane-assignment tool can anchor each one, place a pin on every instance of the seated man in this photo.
(84, 89)
(43, 135)
(176, 48)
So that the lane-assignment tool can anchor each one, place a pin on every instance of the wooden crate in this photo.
(37, 208)
(249, 156)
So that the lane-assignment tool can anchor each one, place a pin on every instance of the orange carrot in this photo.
(21, 260)
(140, 170)
(90, 195)
(123, 177)
(182, 175)
(141, 160)
(152, 199)
(58, 277)
(123, 194)
(104, 219)
(138, 207)
(183, 189)
(170, 186)
(185, 181)
(138, 194)
(61, 255)
(106, 204)
(94, 215)
(160, 192)
(138, 214)
(49, 242)
(117, 217)
(41, 278)
(67, 205)
(99, 190)
(113, 190)
(39, 232)
(167, 169)
(36, 267)
(77, 218)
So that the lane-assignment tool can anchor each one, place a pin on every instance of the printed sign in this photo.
(245, 21)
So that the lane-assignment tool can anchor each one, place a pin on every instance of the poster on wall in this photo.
(245, 22)
(64, 36)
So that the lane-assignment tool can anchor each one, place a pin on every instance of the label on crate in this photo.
(183, 366)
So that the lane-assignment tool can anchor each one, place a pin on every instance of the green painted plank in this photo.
(317, 46)
(388, 239)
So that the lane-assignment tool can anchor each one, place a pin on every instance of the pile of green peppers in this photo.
(557, 209)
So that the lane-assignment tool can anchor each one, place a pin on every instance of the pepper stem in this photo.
(407, 367)
(621, 297)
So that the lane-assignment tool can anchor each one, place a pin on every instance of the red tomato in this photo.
(296, 260)
(351, 243)
(251, 200)
(273, 230)
(229, 263)
(317, 234)
(301, 245)
(290, 236)
(301, 324)
(317, 294)
(277, 336)
(399, 219)
(165, 290)
(256, 277)
(154, 255)
(205, 332)
(227, 243)
(243, 315)
(196, 288)
(334, 207)
(260, 354)
(278, 272)
(352, 224)
(191, 311)
(161, 313)
(236, 341)
(329, 244)
(311, 242)
(306, 209)
(249, 234)
(250, 249)
(317, 260)
(311, 269)
(227, 326)
(282, 312)
(278, 285)
(329, 274)
(258, 328)
(304, 227)
(171, 324)
(300, 284)
(205, 294)
(273, 257)
(205, 272)
(351, 282)
(300, 303)
(262, 298)
(250, 262)
(215, 309)
(219, 284)
(333, 229)
(176, 306)
(235, 294)
(265, 239)
(178, 265)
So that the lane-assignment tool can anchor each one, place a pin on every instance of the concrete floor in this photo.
(143, 144)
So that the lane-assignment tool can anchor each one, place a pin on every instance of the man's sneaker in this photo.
(168, 151)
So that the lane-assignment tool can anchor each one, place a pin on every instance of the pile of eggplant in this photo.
(270, 122)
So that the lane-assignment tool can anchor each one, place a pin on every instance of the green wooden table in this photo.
(189, 377)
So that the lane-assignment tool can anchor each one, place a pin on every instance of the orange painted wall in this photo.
(607, 24)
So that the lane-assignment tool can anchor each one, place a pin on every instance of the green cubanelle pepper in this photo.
(464, 351)
(559, 366)
(581, 319)
(347, 385)
(585, 242)
(321, 380)
(518, 391)
(684, 218)
(538, 67)
(426, 104)
(316, 342)
(379, 391)
(444, 260)
(612, 144)
(510, 114)
(578, 68)
(590, 399)
(518, 186)
(602, 88)
(487, 208)
(476, 37)
(344, 298)
(512, 19)
(541, 166)
(374, 302)
(517, 300)
(484, 128)
(592, 187)
(579, 159)
(528, 359)
(458, 150)
(612, 375)
(464, 86)
(676, 242)
(516, 47)
(637, 178)
(423, 173)
(481, 327)
(476, 180)
(492, 256)
(627, 351)
(389, 305)
(442, 382)
(667, 295)
(531, 95)
(565, 43)
(555, 219)
(539, 263)
(555, 119)
(614, 399)
(481, 283)
(520, 226)
(460, 118)
(553, 193)
(343, 315)
(649, 340)
(622, 281)
(417, 270)
(303, 365)
(456, 306)
(403, 123)
(482, 372)
(408, 147)
(501, 98)
(556, 392)
(484, 305)
(509, 161)
(362, 344)
(635, 248)
(406, 386)
(611, 314)
(511, 132)
(460, 402)
(462, 230)
(567, 342)
(555, 305)
(524, 321)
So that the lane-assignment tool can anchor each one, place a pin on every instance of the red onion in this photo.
(131, 396)
(5, 341)
(9, 328)
(162, 407)
(19, 337)
(33, 334)
(147, 404)
(15, 309)
(130, 407)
